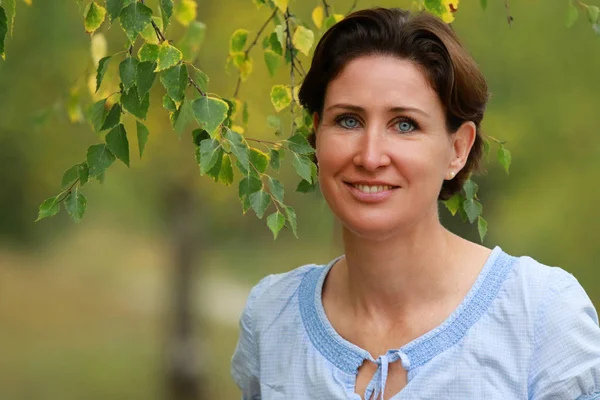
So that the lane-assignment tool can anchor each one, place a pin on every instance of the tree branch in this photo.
(327, 7)
(509, 17)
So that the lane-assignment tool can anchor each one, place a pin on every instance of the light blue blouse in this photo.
(524, 331)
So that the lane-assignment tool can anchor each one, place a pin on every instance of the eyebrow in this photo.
(361, 109)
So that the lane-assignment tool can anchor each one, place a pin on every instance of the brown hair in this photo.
(421, 38)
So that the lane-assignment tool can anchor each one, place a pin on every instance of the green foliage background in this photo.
(82, 306)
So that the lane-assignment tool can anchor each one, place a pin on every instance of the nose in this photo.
(372, 151)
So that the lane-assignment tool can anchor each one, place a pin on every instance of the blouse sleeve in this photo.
(244, 363)
(566, 357)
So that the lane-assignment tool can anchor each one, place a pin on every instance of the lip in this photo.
(370, 197)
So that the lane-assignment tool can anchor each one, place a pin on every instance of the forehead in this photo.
(382, 81)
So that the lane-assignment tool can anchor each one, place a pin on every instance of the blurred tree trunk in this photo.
(185, 364)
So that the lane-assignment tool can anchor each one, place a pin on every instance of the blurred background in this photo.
(99, 310)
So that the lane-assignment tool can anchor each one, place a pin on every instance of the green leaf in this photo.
(281, 97)
(473, 209)
(303, 39)
(215, 171)
(272, 43)
(275, 159)
(102, 67)
(192, 40)
(306, 187)
(593, 13)
(275, 222)
(210, 112)
(260, 202)
(302, 165)
(77, 171)
(226, 174)
(454, 203)
(238, 147)
(486, 147)
(299, 144)
(134, 19)
(75, 204)
(93, 17)
(169, 104)
(185, 11)
(131, 102)
(272, 60)
(247, 187)
(199, 78)
(148, 52)
(96, 115)
(183, 116)
(483, 4)
(114, 8)
(470, 188)
(175, 80)
(10, 10)
(48, 208)
(572, 15)
(166, 10)
(142, 136)
(273, 121)
(482, 227)
(145, 77)
(436, 7)
(238, 41)
(113, 117)
(291, 219)
(168, 56)
(99, 158)
(259, 159)
(128, 72)
(504, 158)
(198, 135)
(149, 34)
(276, 189)
(118, 144)
(208, 154)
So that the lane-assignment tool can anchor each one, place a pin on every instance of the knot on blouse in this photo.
(383, 366)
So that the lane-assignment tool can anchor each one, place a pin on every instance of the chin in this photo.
(375, 227)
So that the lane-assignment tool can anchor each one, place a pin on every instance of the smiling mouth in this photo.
(368, 189)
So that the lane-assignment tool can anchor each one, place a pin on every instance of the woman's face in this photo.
(383, 148)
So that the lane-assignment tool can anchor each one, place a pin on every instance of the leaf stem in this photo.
(247, 51)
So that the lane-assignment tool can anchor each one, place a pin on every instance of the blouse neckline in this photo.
(349, 357)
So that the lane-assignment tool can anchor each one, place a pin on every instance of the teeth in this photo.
(372, 189)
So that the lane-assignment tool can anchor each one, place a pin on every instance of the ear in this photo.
(315, 121)
(462, 142)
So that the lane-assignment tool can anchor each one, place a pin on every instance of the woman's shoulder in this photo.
(272, 294)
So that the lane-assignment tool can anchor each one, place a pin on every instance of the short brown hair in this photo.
(418, 37)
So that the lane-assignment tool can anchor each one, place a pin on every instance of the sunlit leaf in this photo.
(185, 11)
(281, 97)
(148, 52)
(226, 174)
(281, 4)
(238, 40)
(259, 160)
(168, 56)
(94, 15)
(303, 39)
(482, 227)
(454, 203)
(149, 34)
(317, 16)
(505, 158)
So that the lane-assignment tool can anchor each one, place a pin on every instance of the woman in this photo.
(411, 311)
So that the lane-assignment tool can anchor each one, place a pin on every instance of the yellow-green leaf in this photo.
(272, 60)
(148, 52)
(149, 34)
(303, 39)
(168, 56)
(281, 97)
(185, 11)
(505, 158)
(281, 4)
(98, 47)
(482, 227)
(192, 40)
(238, 40)
(93, 17)
(226, 173)
(317, 16)
(48, 208)
(572, 14)
(210, 112)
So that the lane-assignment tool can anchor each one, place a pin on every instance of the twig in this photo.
(264, 141)
(353, 7)
(247, 51)
(290, 48)
(327, 7)
(509, 17)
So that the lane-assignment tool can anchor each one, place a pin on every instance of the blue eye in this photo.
(406, 126)
(348, 122)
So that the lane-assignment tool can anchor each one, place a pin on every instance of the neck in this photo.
(386, 279)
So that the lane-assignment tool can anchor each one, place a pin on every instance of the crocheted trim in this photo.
(349, 357)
